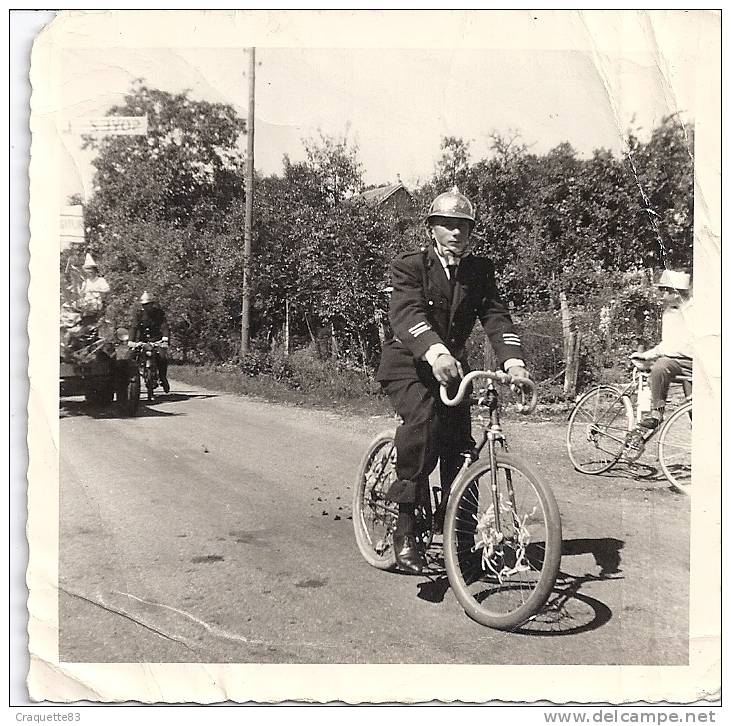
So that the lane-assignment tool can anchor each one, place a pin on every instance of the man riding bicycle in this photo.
(672, 356)
(438, 293)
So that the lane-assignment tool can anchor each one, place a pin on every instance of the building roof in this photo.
(378, 195)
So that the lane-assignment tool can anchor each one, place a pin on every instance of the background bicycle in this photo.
(603, 417)
(502, 527)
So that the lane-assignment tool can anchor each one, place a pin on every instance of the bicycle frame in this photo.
(492, 434)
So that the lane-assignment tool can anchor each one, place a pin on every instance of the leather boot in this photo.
(409, 556)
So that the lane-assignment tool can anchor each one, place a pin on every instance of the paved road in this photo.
(215, 528)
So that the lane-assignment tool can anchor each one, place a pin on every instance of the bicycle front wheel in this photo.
(674, 448)
(598, 428)
(374, 516)
(502, 565)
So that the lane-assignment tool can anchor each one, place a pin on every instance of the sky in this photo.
(397, 102)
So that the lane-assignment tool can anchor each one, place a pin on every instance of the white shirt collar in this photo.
(443, 260)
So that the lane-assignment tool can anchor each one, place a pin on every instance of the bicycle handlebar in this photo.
(527, 389)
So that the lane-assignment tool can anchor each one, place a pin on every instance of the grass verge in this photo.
(230, 379)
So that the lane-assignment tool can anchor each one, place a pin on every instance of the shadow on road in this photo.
(69, 409)
(78, 407)
(568, 611)
(177, 397)
(604, 550)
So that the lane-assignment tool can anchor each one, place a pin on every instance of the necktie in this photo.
(452, 273)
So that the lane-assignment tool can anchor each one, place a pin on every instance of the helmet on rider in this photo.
(454, 205)
(147, 297)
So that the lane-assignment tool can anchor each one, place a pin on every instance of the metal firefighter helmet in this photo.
(674, 279)
(452, 204)
(147, 297)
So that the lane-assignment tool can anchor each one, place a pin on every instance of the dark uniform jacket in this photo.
(149, 325)
(422, 314)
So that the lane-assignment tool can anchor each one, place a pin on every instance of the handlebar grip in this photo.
(527, 389)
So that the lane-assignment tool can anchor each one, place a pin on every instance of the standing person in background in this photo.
(150, 325)
(94, 289)
(672, 356)
(438, 293)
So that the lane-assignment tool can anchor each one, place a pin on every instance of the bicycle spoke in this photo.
(500, 568)
(378, 515)
(597, 430)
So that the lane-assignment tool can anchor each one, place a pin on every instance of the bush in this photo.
(542, 341)
(256, 363)
(326, 378)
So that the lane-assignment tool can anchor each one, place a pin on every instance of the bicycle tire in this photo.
(596, 433)
(674, 448)
(368, 505)
(149, 383)
(128, 394)
(464, 537)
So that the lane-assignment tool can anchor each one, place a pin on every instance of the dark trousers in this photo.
(430, 431)
(662, 373)
(162, 362)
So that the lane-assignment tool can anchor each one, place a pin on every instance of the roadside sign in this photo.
(109, 126)
(72, 226)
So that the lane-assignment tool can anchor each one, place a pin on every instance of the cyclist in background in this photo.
(673, 355)
(438, 293)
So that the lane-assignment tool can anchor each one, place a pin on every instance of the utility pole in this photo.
(249, 207)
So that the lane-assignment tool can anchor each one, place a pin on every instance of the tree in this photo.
(189, 166)
(662, 174)
(454, 162)
(334, 161)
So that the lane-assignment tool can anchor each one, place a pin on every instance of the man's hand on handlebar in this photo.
(641, 361)
(447, 368)
(517, 372)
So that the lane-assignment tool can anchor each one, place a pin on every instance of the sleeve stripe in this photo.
(420, 327)
(417, 330)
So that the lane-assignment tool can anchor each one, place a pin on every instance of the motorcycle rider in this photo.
(150, 325)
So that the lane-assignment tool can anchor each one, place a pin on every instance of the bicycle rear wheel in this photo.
(674, 448)
(598, 428)
(502, 575)
(374, 516)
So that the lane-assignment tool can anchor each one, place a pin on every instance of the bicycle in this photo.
(502, 527)
(596, 438)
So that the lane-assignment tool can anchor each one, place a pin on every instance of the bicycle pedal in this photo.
(632, 453)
